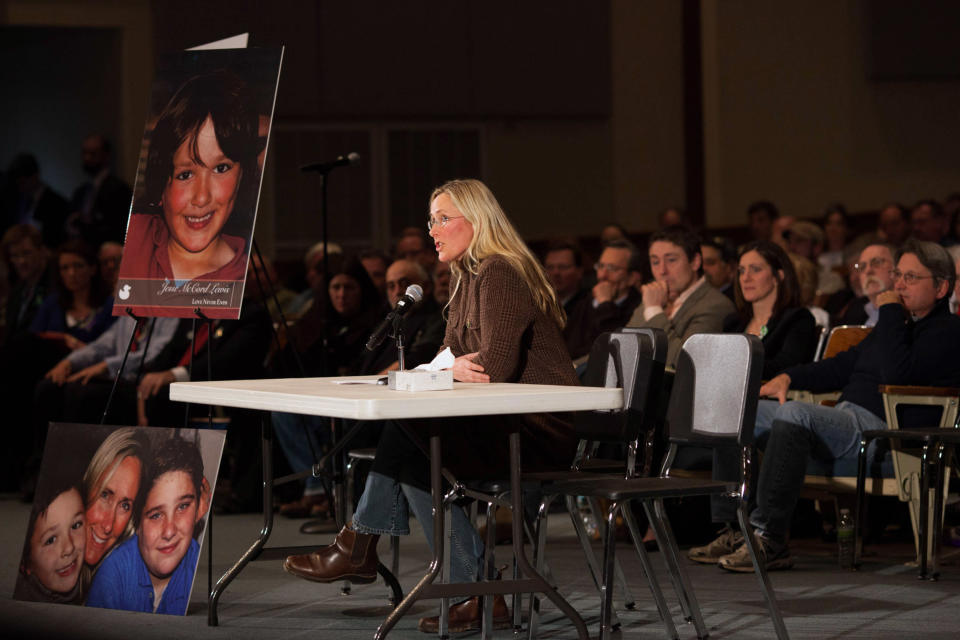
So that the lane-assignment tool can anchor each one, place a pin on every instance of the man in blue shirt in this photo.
(153, 570)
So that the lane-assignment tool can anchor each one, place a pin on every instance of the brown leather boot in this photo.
(352, 556)
(468, 615)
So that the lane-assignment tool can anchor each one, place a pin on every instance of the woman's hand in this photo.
(59, 374)
(466, 370)
(83, 376)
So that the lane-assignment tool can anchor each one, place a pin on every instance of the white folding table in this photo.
(326, 397)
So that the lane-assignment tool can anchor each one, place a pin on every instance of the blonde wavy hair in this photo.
(493, 235)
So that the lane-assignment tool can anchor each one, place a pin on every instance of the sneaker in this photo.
(774, 556)
(725, 544)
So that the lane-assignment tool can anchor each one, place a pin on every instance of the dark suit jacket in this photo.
(585, 322)
(111, 208)
(791, 339)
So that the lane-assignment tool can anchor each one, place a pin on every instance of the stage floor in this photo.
(884, 600)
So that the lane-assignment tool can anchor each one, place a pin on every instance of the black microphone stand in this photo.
(398, 336)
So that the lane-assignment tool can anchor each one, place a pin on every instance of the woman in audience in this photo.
(504, 325)
(202, 165)
(769, 306)
(80, 308)
(836, 232)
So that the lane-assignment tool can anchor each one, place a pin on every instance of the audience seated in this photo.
(415, 245)
(719, 264)
(100, 205)
(563, 263)
(31, 201)
(762, 214)
(613, 231)
(441, 283)
(313, 265)
(108, 257)
(376, 263)
(808, 277)
(673, 217)
(612, 299)
(874, 272)
(915, 341)
(769, 307)
(24, 254)
(836, 233)
(928, 222)
(893, 224)
(806, 239)
(679, 300)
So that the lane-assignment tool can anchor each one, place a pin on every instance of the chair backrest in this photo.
(633, 360)
(843, 337)
(715, 389)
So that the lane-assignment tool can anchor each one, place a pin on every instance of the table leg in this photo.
(516, 496)
(266, 437)
(436, 484)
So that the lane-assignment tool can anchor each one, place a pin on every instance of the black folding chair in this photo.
(713, 402)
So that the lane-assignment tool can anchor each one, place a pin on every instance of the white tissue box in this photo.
(420, 380)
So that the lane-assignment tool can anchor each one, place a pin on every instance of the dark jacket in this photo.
(791, 338)
(585, 322)
(898, 351)
(423, 329)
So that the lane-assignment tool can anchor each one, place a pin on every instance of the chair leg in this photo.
(671, 561)
(489, 569)
(539, 561)
(664, 533)
(348, 509)
(942, 481)
(629, 602)
(606, 590)
(923, 519)
(588, 553)
(637, 537)
(861, 511)
(761, 569)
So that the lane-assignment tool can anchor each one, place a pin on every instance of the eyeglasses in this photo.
(442, 222)
(909, 277)
(876, 263)
(606, 266)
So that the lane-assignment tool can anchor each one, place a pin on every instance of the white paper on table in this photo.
(443, 360)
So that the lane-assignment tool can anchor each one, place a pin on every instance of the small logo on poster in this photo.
(124, 292)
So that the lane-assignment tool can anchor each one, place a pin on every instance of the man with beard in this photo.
(874, 268)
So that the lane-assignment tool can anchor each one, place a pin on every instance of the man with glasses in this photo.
(679, 300)
(612, 299)
(874, 269)
(916, 342)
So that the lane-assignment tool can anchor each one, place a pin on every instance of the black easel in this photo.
(138, 325)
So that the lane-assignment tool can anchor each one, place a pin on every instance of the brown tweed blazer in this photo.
(494, 314)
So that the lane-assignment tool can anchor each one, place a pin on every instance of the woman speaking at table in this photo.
(504, 325)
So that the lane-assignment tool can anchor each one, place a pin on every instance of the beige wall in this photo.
(790, 114)
(132, 18)
(647, 124)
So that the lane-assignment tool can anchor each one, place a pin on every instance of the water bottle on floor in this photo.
(845, 539)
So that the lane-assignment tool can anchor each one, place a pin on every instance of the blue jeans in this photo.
(790, 434)
(293, 440)
(384, 509)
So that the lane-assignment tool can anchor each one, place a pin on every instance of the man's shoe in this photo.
(312, 506)
(468, 615)
(352, 556)
(725, 544)
(773, 555)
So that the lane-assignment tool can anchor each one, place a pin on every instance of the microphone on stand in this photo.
(352, 159)
(412, 296)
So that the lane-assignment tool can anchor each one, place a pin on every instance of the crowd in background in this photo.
(62, 347)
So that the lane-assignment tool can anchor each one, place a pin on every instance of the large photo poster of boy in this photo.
(118, 517)
(198, 183)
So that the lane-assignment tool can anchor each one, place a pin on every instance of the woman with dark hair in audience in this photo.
(80, 308)
(768, 306)
(836, 232)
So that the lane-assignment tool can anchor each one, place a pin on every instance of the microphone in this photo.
(352, 159)
(412, 296)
